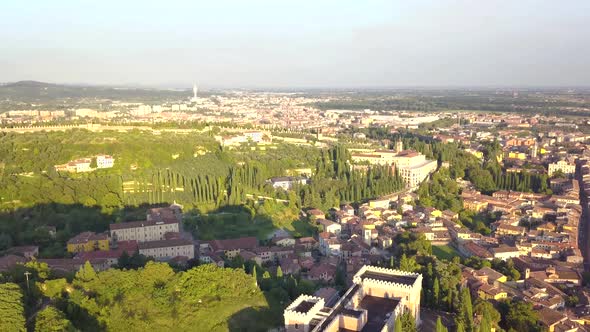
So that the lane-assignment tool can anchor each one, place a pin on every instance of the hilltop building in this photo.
(104, 161)
(159, 222)
(287, 182)
(412, 166)
(82, 165)
(377, 296)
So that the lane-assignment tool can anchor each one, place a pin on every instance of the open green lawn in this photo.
(228, 225)
(444, 252)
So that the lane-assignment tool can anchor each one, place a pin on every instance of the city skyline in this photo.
(329, 45)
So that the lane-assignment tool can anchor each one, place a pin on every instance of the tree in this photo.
(485, 325)
(53, 288)
(435, 292)
(279, 272)
(51, 319)
(41, 270)
(466, 309)
(254, 275)
(519, 315)
(460, 326)
(485, 308)
(408, 322)
(86, 273)
(124, 260)
(408, 264)
(439, 326)
(11, 308)
(398, 324)
(5, 241)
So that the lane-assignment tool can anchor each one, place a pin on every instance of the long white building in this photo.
(166, 249)
(412, 166)
(159, 222)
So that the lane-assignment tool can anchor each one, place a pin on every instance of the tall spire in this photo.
(195, 90)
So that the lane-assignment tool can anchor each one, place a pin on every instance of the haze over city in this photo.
(294, 44)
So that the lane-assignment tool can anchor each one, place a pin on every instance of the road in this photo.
(584, 225)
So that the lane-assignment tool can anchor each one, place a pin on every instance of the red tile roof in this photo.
(243, 243)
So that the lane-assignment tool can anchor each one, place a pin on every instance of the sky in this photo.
(297, 44)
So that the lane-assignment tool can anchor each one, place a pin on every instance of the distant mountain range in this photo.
(27, 84)
(36, 92)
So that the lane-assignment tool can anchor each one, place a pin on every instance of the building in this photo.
(88, 241)
(330, 226)
(505, 252)
(164, 250)
(75, 166)
(474, 204)
(412, 166)
(104, 161)
(245, 137)
(25, 251)
(143, 231)
(230, 248)
(562, 165)
(491, 292)
(286, 182)
(112, 255)
(69, 265)
(372, 303)
(159, 222)
(7, 262)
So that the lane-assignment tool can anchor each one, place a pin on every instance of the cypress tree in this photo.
(439, 326)
(398, 324)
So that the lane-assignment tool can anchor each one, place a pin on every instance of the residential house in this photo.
(88, 241)
(330, 226)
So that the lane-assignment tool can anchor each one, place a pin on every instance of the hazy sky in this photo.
(283, 43)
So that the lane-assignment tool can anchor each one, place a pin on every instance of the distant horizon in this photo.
(188, 87)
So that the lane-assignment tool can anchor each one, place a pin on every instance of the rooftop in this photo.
(378, 308)
(304, 306)
(164, 243)
(241, 243)
(142, 223)
(399, 279)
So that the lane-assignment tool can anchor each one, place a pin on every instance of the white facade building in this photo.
(412, 166)
(166, 249)
(562, 165)
(105, 161)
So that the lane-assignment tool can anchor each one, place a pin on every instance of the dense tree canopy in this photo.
(154, 298)
(11, 308)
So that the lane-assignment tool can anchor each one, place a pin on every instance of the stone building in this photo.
(377, 296)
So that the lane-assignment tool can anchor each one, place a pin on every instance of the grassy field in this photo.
(444, 252)
(228, 225)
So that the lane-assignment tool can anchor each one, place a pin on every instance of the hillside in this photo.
(36, 92)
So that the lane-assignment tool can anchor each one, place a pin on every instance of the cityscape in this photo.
(335, 190)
